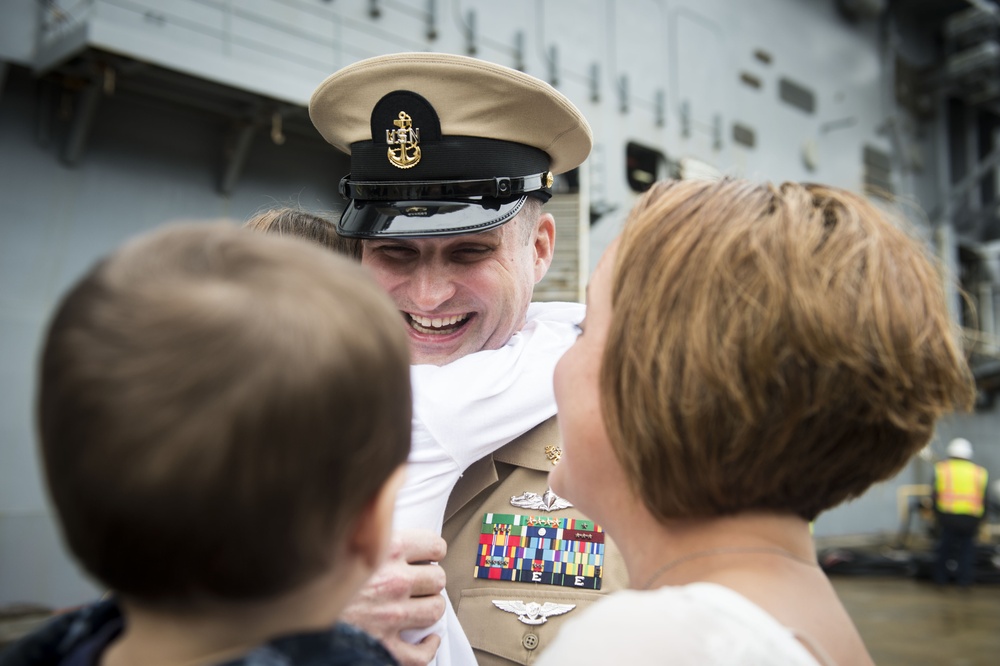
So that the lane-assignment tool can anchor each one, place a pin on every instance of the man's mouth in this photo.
(436, 325)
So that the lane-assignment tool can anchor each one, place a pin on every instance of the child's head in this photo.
(298, 223)
(216, 408)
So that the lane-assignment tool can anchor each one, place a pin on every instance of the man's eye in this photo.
(397, 251)
(472, 253)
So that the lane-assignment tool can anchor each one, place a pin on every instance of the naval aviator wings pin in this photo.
(525, 548)
(531, 612)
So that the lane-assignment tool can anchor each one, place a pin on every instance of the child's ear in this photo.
(369, 538)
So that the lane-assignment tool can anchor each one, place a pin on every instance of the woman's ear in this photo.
(369, 537)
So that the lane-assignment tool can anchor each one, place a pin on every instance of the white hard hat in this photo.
(960, 448)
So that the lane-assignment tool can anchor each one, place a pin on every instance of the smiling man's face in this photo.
(463, 294)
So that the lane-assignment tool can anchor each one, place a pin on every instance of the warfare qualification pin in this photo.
(407, 138)
(548, 501)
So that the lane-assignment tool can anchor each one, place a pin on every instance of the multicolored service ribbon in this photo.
(568, 552)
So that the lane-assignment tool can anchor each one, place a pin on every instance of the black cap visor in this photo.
(421, 218)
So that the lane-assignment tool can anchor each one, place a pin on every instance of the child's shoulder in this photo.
(343, 645)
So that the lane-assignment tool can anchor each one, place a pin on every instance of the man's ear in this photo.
(369, 536)
(545, 241)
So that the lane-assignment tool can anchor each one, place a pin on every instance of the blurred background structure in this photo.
(119, 115)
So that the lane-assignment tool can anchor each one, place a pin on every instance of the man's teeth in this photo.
(435, 323)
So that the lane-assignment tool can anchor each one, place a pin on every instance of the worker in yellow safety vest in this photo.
(959, 503)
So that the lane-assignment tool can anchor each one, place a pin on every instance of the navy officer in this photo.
(451, 161)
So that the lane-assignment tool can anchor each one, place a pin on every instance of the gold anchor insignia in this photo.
(553, 453)
(407, 138)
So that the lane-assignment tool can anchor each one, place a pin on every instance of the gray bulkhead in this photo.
(119, 116)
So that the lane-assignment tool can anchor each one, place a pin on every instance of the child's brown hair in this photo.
(214, 408)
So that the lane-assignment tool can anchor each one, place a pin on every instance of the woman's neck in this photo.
(686, 551)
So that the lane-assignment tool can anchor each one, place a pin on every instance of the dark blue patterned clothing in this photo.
(79, 638)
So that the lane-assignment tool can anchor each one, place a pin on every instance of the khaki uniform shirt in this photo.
(498, 637)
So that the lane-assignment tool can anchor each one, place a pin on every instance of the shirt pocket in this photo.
(505, 636)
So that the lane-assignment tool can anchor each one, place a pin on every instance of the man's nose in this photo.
(431, 287)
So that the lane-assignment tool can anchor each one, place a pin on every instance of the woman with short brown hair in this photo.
(752, 355)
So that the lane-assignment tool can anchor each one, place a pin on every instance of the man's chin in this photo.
(424, 352)
(436, 349)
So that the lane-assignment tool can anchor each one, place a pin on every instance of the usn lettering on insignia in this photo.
(540, 549)
(407, 138)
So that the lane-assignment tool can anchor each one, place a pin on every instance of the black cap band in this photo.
(496, 188)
